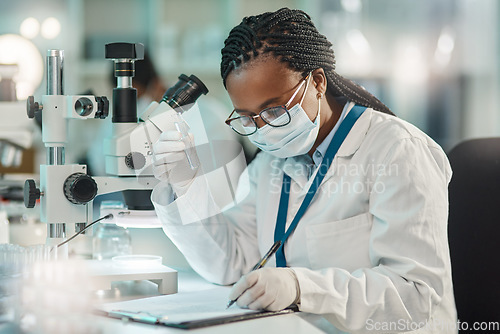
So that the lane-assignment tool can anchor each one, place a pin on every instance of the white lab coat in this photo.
(371, 251)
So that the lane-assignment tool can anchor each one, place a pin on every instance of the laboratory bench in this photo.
(196, 297)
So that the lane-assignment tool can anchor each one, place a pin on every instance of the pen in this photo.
(259, 265)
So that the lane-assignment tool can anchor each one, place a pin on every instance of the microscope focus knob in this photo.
(135, 160)
(31, 193)
(32, 107)
(79, 188)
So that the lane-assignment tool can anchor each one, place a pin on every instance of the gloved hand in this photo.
(170, 163)
(271, 289)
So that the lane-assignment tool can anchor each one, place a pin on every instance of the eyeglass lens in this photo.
(275, 116)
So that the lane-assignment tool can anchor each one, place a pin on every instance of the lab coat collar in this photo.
(350, 145)
(323, 147)
(352, 142)
(299, 169)
(356, 135)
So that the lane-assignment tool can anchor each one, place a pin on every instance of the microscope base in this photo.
(104, 272)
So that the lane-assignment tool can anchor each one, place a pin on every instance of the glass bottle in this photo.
(109, 239)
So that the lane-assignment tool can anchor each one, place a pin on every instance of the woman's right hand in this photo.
(170, 162)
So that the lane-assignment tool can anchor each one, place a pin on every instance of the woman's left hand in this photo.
(271, 289)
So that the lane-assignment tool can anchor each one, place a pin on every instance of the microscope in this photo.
(66, 191)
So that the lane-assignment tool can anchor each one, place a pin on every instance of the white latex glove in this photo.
(170, 161)
(271, 289)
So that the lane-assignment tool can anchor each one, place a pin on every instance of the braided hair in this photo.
(290, 35)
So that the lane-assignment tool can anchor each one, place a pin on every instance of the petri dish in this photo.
(137, 261)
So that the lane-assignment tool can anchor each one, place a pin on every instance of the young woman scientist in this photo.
(370, 248)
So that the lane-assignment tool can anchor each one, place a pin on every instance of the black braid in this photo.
(290, 35)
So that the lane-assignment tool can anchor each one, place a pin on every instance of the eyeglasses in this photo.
(274, 116)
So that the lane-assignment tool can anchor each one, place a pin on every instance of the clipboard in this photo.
(147, 318)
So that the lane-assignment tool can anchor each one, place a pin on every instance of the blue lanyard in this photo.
(337, 140)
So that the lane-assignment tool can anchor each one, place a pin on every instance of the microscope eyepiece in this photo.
(188, 92)
(181, 82)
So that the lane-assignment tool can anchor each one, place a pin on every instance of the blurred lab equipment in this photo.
(4, 227)
(15, 262)
(21, 71)
(11, 258)
(16, 134)
(24, 227)
(110, 240)
(22, 81)
(41, 295)
(7, 83)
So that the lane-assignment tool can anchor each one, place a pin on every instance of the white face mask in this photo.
(295, 138)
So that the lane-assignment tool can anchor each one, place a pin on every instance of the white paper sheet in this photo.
(182, 306)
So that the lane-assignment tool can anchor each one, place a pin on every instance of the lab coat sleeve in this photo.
(408, 248)
(221, 245)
